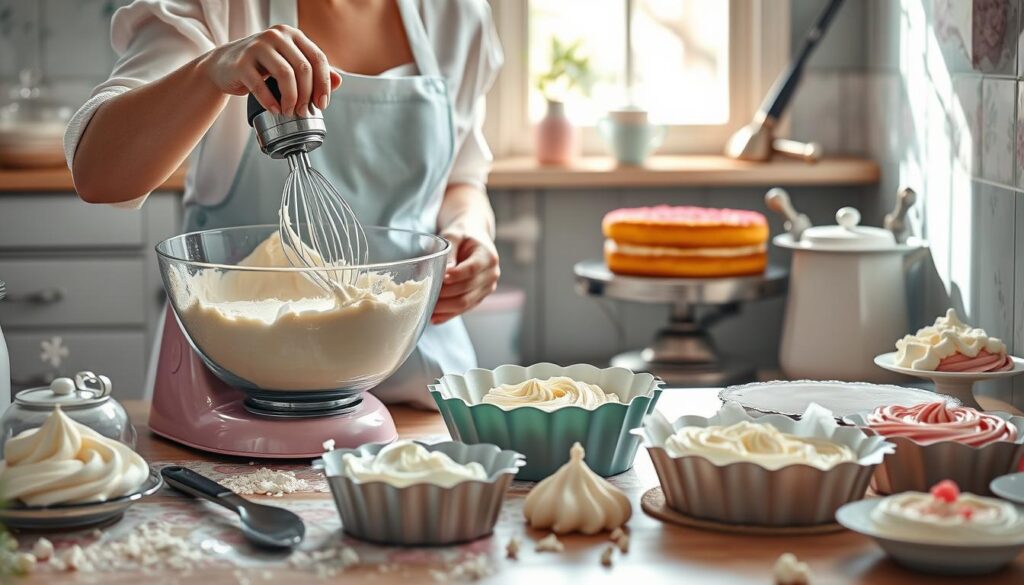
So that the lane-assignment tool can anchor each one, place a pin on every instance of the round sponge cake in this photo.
(685, 242)
(690, 227)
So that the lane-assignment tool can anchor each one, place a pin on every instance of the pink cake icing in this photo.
(688, 215)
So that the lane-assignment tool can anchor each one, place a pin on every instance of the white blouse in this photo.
(155, 37)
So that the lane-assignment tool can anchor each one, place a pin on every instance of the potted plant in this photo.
(557, 140)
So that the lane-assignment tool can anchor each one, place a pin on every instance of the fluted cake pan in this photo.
(545, 436)
(745, 493)
(916, 467)
(422, 514)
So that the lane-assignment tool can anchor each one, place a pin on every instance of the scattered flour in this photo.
(472, 568)
(268, 482)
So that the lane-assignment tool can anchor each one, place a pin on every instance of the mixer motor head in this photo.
(280, 135)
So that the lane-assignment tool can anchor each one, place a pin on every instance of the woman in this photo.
(401, 84)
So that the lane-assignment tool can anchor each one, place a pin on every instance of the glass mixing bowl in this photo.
(265, 327)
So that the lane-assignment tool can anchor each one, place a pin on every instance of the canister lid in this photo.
(848, 234)
(86, 389)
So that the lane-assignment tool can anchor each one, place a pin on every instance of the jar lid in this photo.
(87, 389)
(848, 234)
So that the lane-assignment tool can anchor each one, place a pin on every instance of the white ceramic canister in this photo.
(847, 300)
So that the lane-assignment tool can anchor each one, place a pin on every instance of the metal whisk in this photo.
(318, 228)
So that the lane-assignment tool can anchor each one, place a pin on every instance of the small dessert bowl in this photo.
(917, 467)
(422, 514)
(751, 494)
(959, 555)
(546, 436)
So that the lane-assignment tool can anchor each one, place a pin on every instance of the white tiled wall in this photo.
(945, 115)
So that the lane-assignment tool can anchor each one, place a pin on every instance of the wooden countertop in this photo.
(590, 172)
(659, 552)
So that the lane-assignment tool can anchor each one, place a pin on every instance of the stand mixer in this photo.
(203, 396)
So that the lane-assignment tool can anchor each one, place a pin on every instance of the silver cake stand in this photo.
(683, 353)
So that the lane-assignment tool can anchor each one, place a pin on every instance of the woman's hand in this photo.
(282, 52)
(471, 275)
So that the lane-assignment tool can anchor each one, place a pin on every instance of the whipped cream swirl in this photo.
(951, 345)
(404, 463)
(549, 394)
(575, 499)
(757, 443)
(932, 422)
(65, 462)
(921, 517)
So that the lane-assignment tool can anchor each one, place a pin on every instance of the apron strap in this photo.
(287, 12)
(419, 42)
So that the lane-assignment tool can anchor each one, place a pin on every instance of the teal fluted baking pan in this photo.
(545, 436)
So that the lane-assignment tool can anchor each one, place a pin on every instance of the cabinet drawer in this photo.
(63, 221)
(120, 355)
(59, 293)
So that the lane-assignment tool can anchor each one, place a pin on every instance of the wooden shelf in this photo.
(589, 172)
(58, 180)
(680, 171)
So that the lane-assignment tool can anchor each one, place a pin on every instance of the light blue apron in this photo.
(389, 148)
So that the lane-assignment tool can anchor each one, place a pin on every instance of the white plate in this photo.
(1009, 487)
(842, 398)
(940, 559)
(887, 361)
(75, 516)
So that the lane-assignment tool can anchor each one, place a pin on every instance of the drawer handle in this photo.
(46, 296)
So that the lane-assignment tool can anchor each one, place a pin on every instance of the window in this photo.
(700, 67)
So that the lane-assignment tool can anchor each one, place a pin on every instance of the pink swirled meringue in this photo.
(950, 345)
(932, 422)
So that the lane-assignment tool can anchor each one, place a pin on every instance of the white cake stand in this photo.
(958, 384)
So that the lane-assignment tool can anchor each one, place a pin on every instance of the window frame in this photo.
(759, 48)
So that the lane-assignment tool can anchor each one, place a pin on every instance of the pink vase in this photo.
(556, 139)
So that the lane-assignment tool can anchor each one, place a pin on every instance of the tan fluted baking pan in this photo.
(747, 493)
(916, 467)
(423, 513)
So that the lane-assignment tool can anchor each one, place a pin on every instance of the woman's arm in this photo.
(136, 140)
(467, 221)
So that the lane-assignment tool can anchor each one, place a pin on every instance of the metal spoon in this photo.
(265, 526)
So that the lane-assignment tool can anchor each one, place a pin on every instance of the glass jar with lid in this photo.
(85, 399)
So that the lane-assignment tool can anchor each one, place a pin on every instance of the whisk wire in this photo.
(318, 228)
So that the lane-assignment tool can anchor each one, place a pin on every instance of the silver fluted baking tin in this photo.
(545, 436)
(916, 467)
(422, 514)
(747, 493)
(842, 398)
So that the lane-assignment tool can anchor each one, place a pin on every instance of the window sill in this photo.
(680, 171)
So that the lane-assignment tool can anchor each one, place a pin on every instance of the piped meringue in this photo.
(404, 463)
(757, 443)
(951, 345)
(932, 422)
(66, 462)
(946, 516)
(575, 499)
(549, 394)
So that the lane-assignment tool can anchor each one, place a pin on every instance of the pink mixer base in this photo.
(193, 407)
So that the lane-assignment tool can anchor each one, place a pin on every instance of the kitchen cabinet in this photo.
(83, 285)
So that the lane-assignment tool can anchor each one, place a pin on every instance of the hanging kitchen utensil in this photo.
(756, 141)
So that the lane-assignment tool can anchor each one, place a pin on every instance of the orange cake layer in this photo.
(684, 266)
(694, 227)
